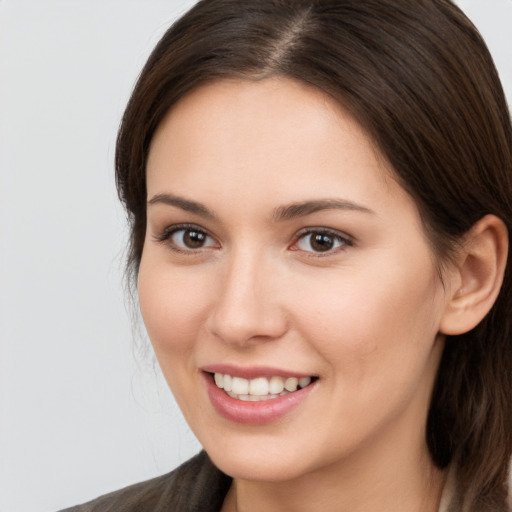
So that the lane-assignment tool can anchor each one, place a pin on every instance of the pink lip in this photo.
(254, 413)
(253, 372)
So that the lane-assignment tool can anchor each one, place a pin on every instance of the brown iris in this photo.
(194, 239)
(322, 242)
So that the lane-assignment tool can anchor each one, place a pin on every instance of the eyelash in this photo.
(342, 240)
(169, 232)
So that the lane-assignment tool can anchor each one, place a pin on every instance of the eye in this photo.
(187, 238)
(191, 239)
(321, 241)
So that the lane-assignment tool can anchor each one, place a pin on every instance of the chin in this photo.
(257, 468)
(265, 458)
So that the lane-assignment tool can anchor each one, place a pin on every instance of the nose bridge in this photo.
(246, 305)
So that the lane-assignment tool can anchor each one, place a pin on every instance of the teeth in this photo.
(276, 385)
(291, 384)
(240, 386)
(303, 382)
(253, 398)
(219, 380)
(260, 388)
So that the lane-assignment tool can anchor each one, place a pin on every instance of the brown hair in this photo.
(419, 78)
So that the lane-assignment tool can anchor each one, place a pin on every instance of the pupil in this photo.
(321, 242)
(194, 239)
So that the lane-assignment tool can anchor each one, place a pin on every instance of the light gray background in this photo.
(82, 411)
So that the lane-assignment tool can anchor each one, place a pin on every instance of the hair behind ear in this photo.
(471, 408)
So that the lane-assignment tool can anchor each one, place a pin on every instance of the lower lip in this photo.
(254, 413)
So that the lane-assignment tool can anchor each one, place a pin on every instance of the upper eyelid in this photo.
(168, 231)
(320, 229)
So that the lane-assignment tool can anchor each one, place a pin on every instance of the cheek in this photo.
(172, 305)
(370, 324)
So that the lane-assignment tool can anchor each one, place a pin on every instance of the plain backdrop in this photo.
(82, 409)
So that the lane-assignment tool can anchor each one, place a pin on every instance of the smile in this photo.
(260, 388)
(256, 395)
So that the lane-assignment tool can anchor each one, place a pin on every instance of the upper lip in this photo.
(252, 372)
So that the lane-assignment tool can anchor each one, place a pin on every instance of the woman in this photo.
(319, 195)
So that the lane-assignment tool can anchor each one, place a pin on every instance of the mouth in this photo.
(260, 388)
(256, 395)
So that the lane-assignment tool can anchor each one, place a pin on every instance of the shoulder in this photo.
(195, 486)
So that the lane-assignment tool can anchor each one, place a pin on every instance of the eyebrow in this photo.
(184, 204)
(286, 212)
(301, 209)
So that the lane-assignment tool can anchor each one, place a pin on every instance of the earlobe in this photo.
(477, 276)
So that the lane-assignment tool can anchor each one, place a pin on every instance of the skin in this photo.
(364, 317)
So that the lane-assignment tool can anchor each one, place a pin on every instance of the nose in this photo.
(247, 304)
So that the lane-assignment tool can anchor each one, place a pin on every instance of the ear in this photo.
(476, 277)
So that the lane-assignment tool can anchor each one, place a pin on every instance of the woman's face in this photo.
(280, 249)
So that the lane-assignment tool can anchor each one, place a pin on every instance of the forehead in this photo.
(261, 144)
(258, 104)
(273, 122)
